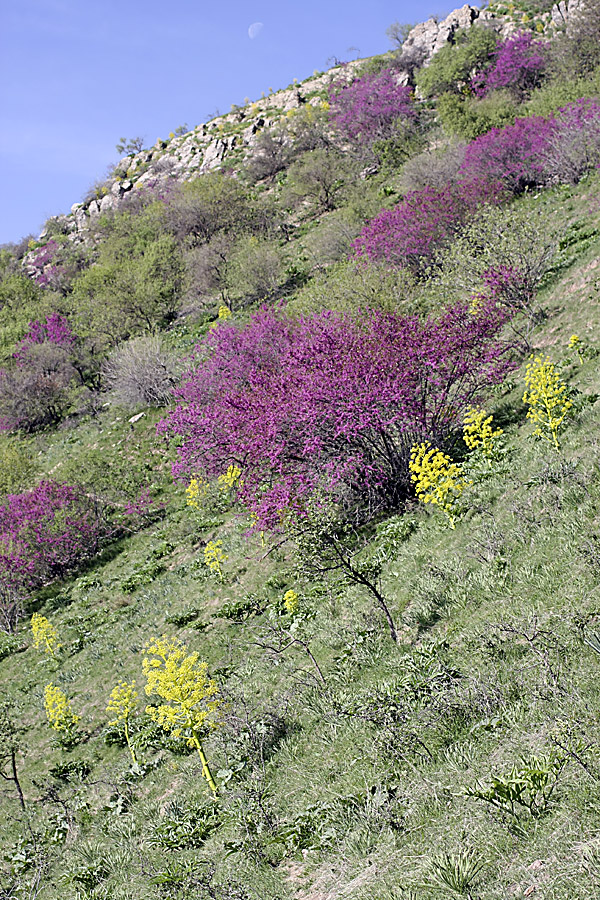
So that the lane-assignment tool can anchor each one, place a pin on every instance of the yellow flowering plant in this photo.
(230, 478)
(583, 350)
(437, 479)
(547, 396)
(214, 556)
(122, 705)
(479, 434)
(194, 492)
(291, 602)
(59, 713)
(190, 698)
(45, 635)
(223, 314)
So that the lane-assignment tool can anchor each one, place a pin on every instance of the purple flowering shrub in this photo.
(55, 330)
(37, 391)
(410, 234)
(330, 404)
(371, 108)
(536, 150)
(515, 154)
(45, 533)
(519, 64)
(574, 145)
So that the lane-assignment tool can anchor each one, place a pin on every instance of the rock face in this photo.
(429, 37)
(565, 10)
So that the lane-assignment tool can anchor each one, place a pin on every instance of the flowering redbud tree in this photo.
(409, 235)
(44, 533)
(371, 108)
(330, 403)
(518, 66)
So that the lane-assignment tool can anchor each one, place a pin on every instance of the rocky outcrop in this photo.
(565, 10)
(428, 38)
(207, 146)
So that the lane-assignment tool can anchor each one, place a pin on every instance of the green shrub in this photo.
(451, 68)
(467, 117)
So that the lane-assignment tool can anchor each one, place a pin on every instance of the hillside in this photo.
(300, 492)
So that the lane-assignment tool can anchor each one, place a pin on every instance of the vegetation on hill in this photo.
(299, 501)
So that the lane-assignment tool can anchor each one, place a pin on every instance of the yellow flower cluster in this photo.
(437, 478)
(194, 492)
(214, 556)
(478, 433)
(230, 478)
(123, 704)
(58, 709)
(291, 601)
(190, 697)
(580, 347)
(45, 635)
(548, 398)
(223, 314)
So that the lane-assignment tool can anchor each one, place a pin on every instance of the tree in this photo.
(330, 403)
(130, 146)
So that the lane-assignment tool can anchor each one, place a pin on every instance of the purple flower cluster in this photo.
(515, 154)
(369, 108)
(55, 330)
(518, 65)
(409, 235)
(44, 533)
(330, 404)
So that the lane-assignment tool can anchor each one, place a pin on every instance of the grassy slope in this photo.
(321, 803)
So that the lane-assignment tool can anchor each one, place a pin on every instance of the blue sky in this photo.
(75, 75)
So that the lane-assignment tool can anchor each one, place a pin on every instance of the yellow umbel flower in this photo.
(437, 478)
(214, 556)
(478, 433)
(123, 704)
(194, 492)
(230, 478)
(291, 601)
(224, 313)
(191, 697)
(547, 397)
(45, 634)
(58, 710)
(580, 347)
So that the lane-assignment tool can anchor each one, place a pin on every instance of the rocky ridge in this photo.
(232, 136)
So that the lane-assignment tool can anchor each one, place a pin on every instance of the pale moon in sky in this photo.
(254, 30)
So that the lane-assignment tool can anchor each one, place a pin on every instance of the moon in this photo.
(255, 29)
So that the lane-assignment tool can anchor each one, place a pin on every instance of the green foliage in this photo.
(451, 68)
(526, 787)
(349, 287)
(456, 872)
(468, 117)
(17, 468)
(143, 575)
(182, 827)
(130, 289)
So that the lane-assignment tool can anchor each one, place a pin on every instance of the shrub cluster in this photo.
(371, 108)
(330, 404)
(410, 234)
(518, 64)
(45, 533)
